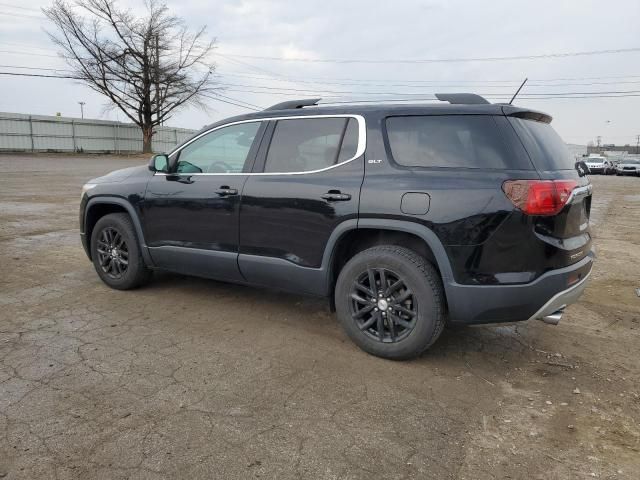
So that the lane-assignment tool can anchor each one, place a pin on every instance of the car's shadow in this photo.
(500, 343)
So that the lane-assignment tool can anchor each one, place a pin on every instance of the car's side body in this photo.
(294, 230)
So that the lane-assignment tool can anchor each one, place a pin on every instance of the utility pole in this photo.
(158, 77)
(82, 109)
(599, 139)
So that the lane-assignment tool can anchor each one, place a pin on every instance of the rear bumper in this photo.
(560, 300)
(479, 304)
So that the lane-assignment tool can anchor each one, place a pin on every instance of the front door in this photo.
(190, 215)
(307, 183)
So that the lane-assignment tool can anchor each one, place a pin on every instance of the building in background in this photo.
(577, 150)
(614, 149)
(40, 133)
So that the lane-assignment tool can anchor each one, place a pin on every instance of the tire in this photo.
(115, 253)
(404, 335)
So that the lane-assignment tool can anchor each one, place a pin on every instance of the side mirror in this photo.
(159, 163)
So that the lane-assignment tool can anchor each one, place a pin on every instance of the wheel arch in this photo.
(98, 207)
(413, 235)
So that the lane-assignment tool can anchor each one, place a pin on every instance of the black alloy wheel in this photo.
(390, 301)
(113, 253)
(382, 305)
(116, 253)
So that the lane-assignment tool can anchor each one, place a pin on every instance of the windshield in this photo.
(631, 162)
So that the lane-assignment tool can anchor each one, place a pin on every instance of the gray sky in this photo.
(364, 30)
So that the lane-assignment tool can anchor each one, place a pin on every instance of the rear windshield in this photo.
(460, 141)
(544, 145)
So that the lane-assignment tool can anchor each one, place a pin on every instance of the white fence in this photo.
(38, 133)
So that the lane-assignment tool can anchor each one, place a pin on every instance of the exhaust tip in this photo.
(553, 318)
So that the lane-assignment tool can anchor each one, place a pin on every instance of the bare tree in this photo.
(149, 67)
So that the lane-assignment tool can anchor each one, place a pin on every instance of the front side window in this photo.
(222, 151)
(461, 141)
(308, 144)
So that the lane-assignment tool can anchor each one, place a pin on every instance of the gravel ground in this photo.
(189, 378)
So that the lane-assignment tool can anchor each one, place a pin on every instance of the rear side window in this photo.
(543, 144)
(459, 141)
(307, 144)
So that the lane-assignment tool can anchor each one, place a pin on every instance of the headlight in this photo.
(85, 188)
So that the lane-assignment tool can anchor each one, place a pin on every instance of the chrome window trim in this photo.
(362, 143)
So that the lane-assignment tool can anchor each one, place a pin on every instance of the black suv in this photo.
(405, 216)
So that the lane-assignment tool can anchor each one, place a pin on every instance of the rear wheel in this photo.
(116, 254)
(390, 302)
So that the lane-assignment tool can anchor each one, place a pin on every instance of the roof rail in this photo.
(291, 104)
(462, 98)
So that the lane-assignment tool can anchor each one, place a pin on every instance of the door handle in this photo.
(336, 196)
(225, 191)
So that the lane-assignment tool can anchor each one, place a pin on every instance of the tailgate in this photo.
(567, 231)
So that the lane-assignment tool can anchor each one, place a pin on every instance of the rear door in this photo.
(306, 182)
(568, 231)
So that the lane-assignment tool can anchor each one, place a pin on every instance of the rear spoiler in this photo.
(510, 111)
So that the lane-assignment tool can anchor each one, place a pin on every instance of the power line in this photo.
(253, 67)
(16, 74)
(445, 83)
(18, 7)
(415, 96)
(269, 89)
(439, 83)
(310, 79)
(242, 104)
(257, 108)
(232, 103)
(27, 45)
(22, 15)
(377, 82)
(444, 60)
(22, 67)
(310, 91)
(15, 52)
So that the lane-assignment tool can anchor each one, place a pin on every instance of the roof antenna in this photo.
(518, 91)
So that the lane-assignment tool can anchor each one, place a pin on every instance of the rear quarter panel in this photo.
(467, 208)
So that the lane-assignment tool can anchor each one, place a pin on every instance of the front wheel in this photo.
(116, 254)
(390, 302)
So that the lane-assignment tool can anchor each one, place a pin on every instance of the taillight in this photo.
(539, 197)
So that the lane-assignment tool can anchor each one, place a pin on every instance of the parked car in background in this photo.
(596, 164)
(629, 166)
